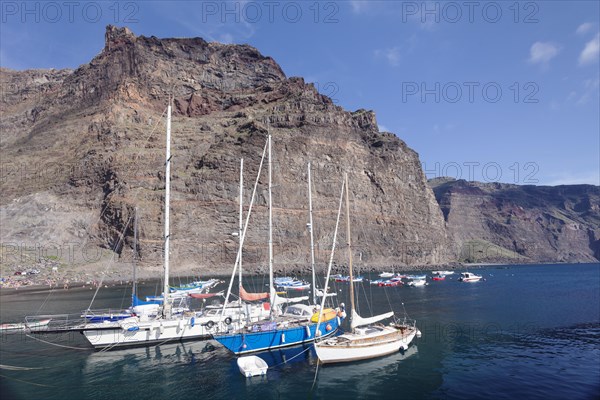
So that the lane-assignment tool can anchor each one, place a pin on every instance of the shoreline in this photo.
(45, 283)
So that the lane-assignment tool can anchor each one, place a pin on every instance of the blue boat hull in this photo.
(248, 342)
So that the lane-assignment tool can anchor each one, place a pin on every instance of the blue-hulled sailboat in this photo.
(298, 324)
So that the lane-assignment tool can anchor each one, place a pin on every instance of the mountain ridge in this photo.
(91, 143)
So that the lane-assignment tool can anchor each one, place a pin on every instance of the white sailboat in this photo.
(164, 322)
(367, 338)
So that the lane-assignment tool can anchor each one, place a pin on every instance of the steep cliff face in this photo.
(501, 222)
(88, 148)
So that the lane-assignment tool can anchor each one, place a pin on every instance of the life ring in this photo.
(228, 321)
(210, 324)
(328, 328)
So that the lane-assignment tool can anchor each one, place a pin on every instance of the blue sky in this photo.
(483, 90)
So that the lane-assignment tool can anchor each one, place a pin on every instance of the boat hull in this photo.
(252, 366)
(364, 348)
(133, 333)
(249, 342)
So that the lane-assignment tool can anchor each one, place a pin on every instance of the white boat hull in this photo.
(133, 332)
(359, 349)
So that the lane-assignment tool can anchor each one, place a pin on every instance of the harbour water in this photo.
(524, 332)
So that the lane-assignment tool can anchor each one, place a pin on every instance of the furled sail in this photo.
(204, 295)
(252, 296)
(357, 320)
(283, 300)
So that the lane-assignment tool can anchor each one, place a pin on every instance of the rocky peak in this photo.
(104, 122)
(115, 36)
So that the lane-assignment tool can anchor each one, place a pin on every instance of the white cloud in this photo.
(584, 28)
(358, 6)
(542, 52)
(590, 90)
(591, 51)
(392, 55)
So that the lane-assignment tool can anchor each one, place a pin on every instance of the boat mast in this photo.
(135, 253)
(335, 232)
(271, 288)
(166, 306)
(349, 246)
(241, 221)
(312, 240)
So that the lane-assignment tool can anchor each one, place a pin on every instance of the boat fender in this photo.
(307, 330)
(161, 329)
(192, 322)
(328, 328)
(210, 324)
(283, 338)
(228, 320)
(318, 333)
(133, 328)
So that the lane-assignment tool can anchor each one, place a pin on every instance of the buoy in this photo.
(328, 328)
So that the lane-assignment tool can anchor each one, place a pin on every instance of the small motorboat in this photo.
(293, 285)
(469, 277)
(418, 282)
(29, 325)
(386, 274)
(416, 277)
(347, 279)
(252, 366)
(438, 277)
(442, 272)
(392, 282)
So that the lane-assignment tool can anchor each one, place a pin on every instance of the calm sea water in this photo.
(525, 332)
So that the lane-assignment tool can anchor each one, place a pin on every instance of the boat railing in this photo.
(102, 312)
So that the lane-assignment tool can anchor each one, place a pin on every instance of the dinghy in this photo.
(252, 366)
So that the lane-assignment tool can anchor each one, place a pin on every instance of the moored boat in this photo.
(469, 277)
(251, 366)
(442, 272)
(286, 328)
(27, 325)
(368, 338)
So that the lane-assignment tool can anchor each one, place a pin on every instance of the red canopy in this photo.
(252, 296)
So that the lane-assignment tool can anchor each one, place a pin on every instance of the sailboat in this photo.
(296, 325)
(157, 322)
(367, 338)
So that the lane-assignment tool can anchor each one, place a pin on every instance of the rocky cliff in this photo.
(81, 149)
(494, 222)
